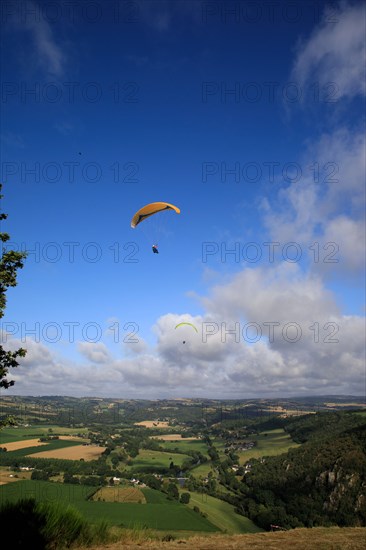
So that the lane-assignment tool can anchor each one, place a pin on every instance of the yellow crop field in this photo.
(153, 424)
(7, 476)
(16, 445)
(87, 452)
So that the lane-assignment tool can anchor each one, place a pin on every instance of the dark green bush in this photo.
(28, 524)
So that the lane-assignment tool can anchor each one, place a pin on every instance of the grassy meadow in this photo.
(185, 445)
(157, 513)
(148, 460)
(222, 514)
(321, 538)
(10, 434)
(270, 443)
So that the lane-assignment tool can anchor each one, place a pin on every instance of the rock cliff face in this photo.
(344, 493)
(323, 482)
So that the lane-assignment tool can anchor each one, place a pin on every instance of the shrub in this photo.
(167, 538)
(23, 513)
(185, 498)
(47, 526)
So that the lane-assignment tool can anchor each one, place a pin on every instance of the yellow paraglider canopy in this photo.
(150, 209)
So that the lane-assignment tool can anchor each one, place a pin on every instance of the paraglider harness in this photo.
(155, 249)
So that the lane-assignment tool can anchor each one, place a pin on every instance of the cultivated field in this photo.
(153, 424)
(222, 514)
(173, 437)
(160, 514)
(74, 438)
(182, 445)
(202, 470)
(28, 432)
(148, 460)
(271, 443)
(16, 445)
(5, 474)
(288, 412)
(87, 452)
(346, 405)
(120, 494)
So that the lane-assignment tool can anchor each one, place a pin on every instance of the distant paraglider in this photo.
(150, 210)
(189, 324)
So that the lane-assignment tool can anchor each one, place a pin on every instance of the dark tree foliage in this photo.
(311, 427)
(321, 483)
(185, 498)
(10, 262)
(172, 491)
(26, 514)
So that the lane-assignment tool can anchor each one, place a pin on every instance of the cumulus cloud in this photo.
(264, 333)
(326, 207)
(278, 293)
(349, 237)
(134, 345)
(95, 352)
(335, 52)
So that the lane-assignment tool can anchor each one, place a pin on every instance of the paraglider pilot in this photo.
(155, 249)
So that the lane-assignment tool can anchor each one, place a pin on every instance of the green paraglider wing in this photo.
(190, 324)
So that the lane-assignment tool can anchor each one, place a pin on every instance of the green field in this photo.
(202, 470)
(219, 445)
(185, 445)
(45, 490)
(154, 516)
(164, 515)
(8, 435)
(274, 443)
(222, 514)
(155, 497)
(148, 460)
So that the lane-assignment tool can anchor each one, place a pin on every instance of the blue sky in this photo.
(251, 120)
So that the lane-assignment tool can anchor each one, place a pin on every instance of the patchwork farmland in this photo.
(167, 473)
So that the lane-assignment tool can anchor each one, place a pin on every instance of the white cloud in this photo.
(49, 54)
(277, 293)
(349, 237)
(326, 207)
(335, 52)
(134, 345)
(43, 52)
(223, 360)
(327, 356)
(95, 352)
